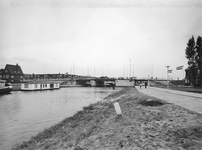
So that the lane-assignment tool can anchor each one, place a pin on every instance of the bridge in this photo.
(89, 82)
(76, 80)
(100, 82)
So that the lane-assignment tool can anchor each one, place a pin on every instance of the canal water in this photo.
(24, 114)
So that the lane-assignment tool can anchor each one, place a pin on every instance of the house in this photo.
(1, 73)
(12, 73)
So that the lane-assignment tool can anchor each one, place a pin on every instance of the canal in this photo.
(24, 114)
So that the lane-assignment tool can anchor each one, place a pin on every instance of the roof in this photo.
(1, 71)
(13, 69)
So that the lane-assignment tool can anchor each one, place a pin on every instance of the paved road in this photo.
(191, 101)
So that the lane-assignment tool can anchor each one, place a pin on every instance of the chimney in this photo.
(17, 67)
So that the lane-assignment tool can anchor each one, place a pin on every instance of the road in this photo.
(191, 101)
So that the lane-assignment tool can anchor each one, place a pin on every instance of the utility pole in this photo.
(167, 77)
(130, 69)
(88, 71)
(124, 71)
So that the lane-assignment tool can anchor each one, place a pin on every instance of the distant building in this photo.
(12, 73)
(45, 76)
(51, 76)
(190, 79)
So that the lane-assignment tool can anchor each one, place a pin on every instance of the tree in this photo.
(190, 51)
(190, 55)
(199, 58)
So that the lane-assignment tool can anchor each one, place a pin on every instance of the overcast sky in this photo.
(111, 38)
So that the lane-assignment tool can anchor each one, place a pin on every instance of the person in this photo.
(145, 85)
(113, 86)
(140, 86)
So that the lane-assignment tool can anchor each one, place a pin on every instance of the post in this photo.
(118, 109)
(167, 77)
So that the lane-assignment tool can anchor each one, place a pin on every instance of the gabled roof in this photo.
(13, 69)
(1, 71)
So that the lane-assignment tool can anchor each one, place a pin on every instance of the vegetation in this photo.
(193, 53)
(199, 57)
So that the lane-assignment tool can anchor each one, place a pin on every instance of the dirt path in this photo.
(148, 123)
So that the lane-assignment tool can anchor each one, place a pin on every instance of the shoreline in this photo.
(147, 123)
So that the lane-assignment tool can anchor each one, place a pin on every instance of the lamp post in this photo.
(167, 77)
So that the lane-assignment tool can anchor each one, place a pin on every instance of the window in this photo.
(26, 86)
(6, 71)
(12, 76)
(35, 86)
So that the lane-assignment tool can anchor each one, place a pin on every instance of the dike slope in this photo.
(147, 123)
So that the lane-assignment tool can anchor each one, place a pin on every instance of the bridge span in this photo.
(100, 82)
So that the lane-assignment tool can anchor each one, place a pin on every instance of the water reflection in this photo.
(24, 114)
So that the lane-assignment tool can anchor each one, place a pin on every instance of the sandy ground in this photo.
(147, 123)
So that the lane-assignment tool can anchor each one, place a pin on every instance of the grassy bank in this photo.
(148, 123)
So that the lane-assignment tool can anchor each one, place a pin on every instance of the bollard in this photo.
(117, 108)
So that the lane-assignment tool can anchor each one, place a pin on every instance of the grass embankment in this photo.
(147, 123)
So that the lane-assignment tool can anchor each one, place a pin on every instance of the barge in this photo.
(39, 86)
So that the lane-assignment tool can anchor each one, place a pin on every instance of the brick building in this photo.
(12, 73)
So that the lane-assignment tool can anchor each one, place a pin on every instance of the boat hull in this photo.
(39, 89)
(5, 90)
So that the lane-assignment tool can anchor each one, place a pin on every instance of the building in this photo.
(12, 73)
(192, 76)
(1, 73)
(52, 76)
(45, 76)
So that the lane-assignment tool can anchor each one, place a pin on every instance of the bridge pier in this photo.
(139, 81)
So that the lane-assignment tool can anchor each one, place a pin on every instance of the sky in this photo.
(98, 38)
